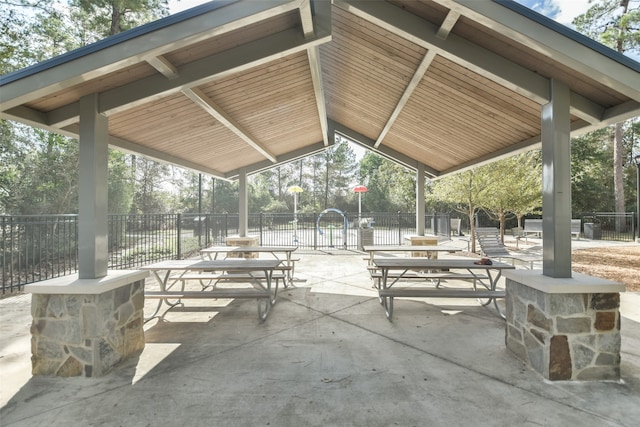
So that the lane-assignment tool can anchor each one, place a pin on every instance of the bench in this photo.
(280, 273)
(376, 275)
(534, 226)
(440, 293)
(265, 298)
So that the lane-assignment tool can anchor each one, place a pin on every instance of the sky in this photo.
(562, 11)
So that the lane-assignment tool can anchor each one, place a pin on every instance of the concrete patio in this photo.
(326, 356)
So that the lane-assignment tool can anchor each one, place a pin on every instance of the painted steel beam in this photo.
(556, 184)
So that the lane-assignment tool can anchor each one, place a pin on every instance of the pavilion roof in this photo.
(244, 85)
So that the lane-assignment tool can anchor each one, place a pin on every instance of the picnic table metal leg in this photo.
(163, 287)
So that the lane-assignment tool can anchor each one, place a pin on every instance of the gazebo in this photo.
(234, 87)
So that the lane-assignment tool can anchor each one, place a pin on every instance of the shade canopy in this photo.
(360, 189)
(295, 189)
(231, 86)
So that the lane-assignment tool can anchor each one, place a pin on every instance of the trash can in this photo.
(365, 237)
(592, 231)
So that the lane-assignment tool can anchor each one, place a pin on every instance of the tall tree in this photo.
(615, 23)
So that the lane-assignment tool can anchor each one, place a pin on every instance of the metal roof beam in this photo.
(207, 104)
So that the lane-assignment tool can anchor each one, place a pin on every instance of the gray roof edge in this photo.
(113, 40)
(570, 33)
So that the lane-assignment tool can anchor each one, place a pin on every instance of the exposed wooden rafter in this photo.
(197, 96)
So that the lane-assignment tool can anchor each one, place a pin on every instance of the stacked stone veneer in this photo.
(564, 336)
(86, 334)
(243, 241)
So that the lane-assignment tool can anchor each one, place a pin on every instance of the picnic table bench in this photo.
(387, 292)
(258, 273)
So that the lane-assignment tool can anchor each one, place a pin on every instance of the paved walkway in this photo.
(326, 356)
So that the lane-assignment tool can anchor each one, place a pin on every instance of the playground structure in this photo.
(345, 226)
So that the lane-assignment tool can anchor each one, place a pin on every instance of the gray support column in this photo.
(556, 183)
(92, 190)
(420, 200)
(243, 204)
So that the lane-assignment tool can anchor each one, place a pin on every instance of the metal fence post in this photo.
(399, 230)
(179, 236)
(260, 226)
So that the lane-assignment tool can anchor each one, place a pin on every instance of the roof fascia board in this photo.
(104, 57)
(454, 48)
(524, 25)
(285, 158)
(383, 151)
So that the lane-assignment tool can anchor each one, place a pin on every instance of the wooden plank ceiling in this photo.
(434, 82)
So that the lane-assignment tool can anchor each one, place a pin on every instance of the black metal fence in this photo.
(35, 248)
(41, 247)
(609, 226)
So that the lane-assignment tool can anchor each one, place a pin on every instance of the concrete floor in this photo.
(326, 356)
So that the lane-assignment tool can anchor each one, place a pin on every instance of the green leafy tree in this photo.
(615, 23)
(465, 191)
(514, 187)
(109, 17)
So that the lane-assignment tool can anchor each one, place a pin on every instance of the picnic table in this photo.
(478, 272)
(256, 272)
(282, 253)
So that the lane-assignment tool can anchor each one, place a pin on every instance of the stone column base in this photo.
(422, 241)
(564, 329)
(242, 241)
(84, 327)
